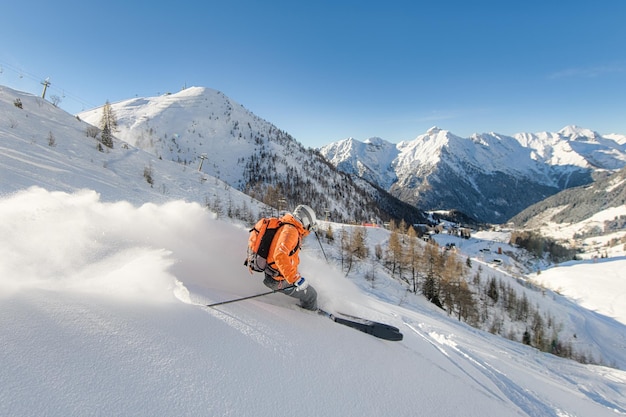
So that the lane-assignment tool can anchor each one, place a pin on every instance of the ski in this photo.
(374, 328)
(360, 319)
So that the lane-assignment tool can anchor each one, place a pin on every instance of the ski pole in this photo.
(250, 296)
(321, 247)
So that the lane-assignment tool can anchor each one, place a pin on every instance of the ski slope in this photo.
(102, 313)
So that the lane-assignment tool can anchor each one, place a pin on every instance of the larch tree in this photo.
(358, 243)
(394, 253)
(413, 253)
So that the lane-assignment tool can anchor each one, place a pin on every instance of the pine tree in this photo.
(492, 290)
(433, 266)
(108, 124)
(107, 137)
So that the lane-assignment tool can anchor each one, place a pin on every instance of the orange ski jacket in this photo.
(282, 255)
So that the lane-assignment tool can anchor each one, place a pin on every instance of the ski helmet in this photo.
(306, 216)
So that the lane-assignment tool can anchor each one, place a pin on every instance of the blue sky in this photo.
(332, 69)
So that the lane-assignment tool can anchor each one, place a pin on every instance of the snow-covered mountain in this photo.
(488, 176)
(371, 160)
(590, 215)
(104, 278)
(202, 126)
(43, 145)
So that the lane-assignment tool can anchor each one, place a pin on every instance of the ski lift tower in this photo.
(202, 158)
(46, 83)
(282, 205)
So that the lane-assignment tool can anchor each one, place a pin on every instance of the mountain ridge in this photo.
(488, 176)
(249, 153)
(576, 204)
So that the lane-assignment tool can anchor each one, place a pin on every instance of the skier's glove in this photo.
(301, 284)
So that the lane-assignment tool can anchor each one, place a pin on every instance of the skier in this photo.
(283, 258)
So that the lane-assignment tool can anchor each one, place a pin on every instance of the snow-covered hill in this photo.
(45, 146)
(184, 126)
(246, 152)
(490, 177)
(592, 217)
(104, 278)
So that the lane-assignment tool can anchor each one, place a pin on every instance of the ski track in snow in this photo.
(255, 329)
(524, 399)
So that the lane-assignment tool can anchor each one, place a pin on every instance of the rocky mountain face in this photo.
(490, 177)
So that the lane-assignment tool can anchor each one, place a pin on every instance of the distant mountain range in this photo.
(489, 177)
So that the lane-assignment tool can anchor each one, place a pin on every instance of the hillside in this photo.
(577, 204)
(591, 218)
(111, 322)
(44, 146)
(248, 153)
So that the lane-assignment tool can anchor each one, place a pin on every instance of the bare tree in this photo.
(413, 254)
(55, 100)
(394, 253)
(346, 255)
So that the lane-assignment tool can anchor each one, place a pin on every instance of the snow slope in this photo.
(102, 314)
(586, 282)
(183, 126)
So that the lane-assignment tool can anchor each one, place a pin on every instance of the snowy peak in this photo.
(574, 132)
(433, 130)
(376, 142)
(201, 127)
(370, 160)
(189, 125)
(435, 133)
(488, 176)
(576, 147)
